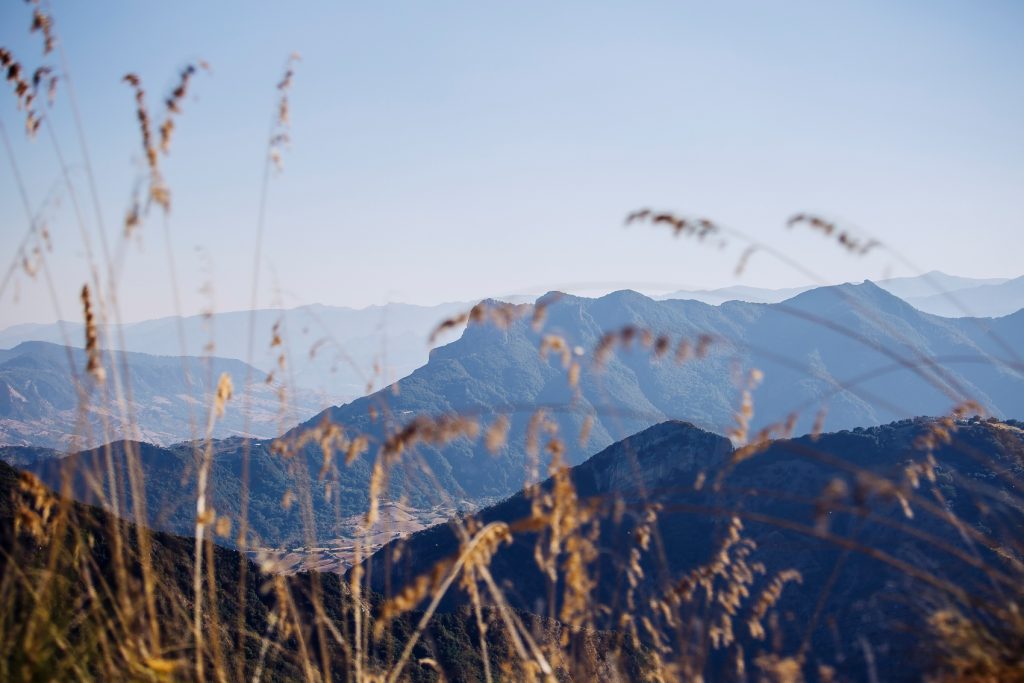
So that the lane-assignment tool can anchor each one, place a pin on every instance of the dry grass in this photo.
(85, 596)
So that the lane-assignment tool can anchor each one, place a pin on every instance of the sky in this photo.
(453, 151)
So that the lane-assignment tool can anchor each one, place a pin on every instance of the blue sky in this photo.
(450, 151)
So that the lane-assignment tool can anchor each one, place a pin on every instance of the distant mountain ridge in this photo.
(344, 353)
(332, 350)
(754, 295)
(935, 292)
(988, 300)
(933, 283)
(40, 403)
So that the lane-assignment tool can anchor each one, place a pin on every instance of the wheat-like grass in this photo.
(122, 622)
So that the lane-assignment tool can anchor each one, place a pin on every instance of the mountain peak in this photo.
(649, 456)
(38, 346)
(866, 292)
(625, 295)
(552, 297)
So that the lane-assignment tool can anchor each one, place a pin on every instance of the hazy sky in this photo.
(449, 151)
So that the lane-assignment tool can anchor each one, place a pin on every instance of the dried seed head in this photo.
(223, 527)
(819, 424)
(941, 431)
(556, 344)
(142, 114)
(356, 447)
(500, 314)
(422, 429)
(764, 438)
(435, 431)
(159, 193)
(843, 237)
(43, 23)
(497, 434)
(34, 507)
(585, 429)
(92, 341)
(657, 344)
(540, 309)
(697, 228)
(25, 93)
(769, 596)
(741, 265)
(172, 103)
(224, 391)
(279, 137)
(746, 412)
(412, 595)
(574, 375)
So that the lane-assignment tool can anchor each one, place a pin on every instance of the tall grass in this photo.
(89, 595)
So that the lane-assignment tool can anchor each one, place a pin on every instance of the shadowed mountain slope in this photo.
(872, 569)
(87, 618)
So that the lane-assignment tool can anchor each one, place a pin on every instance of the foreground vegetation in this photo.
(676, 554)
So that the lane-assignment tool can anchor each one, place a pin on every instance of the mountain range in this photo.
(864, 355)
(340, 354)
(987, 300)
(48, 399)
(935, 292)
(860, 535)
(332, 351)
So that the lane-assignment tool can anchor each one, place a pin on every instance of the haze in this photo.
(455, 151)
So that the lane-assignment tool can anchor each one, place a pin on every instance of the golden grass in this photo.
(123, 622)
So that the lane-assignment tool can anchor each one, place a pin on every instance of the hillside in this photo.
(47, 399)
(332, 349)
(857, 350)
(64, 632)
(871, 569)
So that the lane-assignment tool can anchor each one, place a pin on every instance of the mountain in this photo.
(991, 300)
(861, 353)
(883, 533)
(92, 537)
(325, 512)
(73, 606)
(331, 350)
(43, 404)
(933, 283)
(929, 292)
(756, 295)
